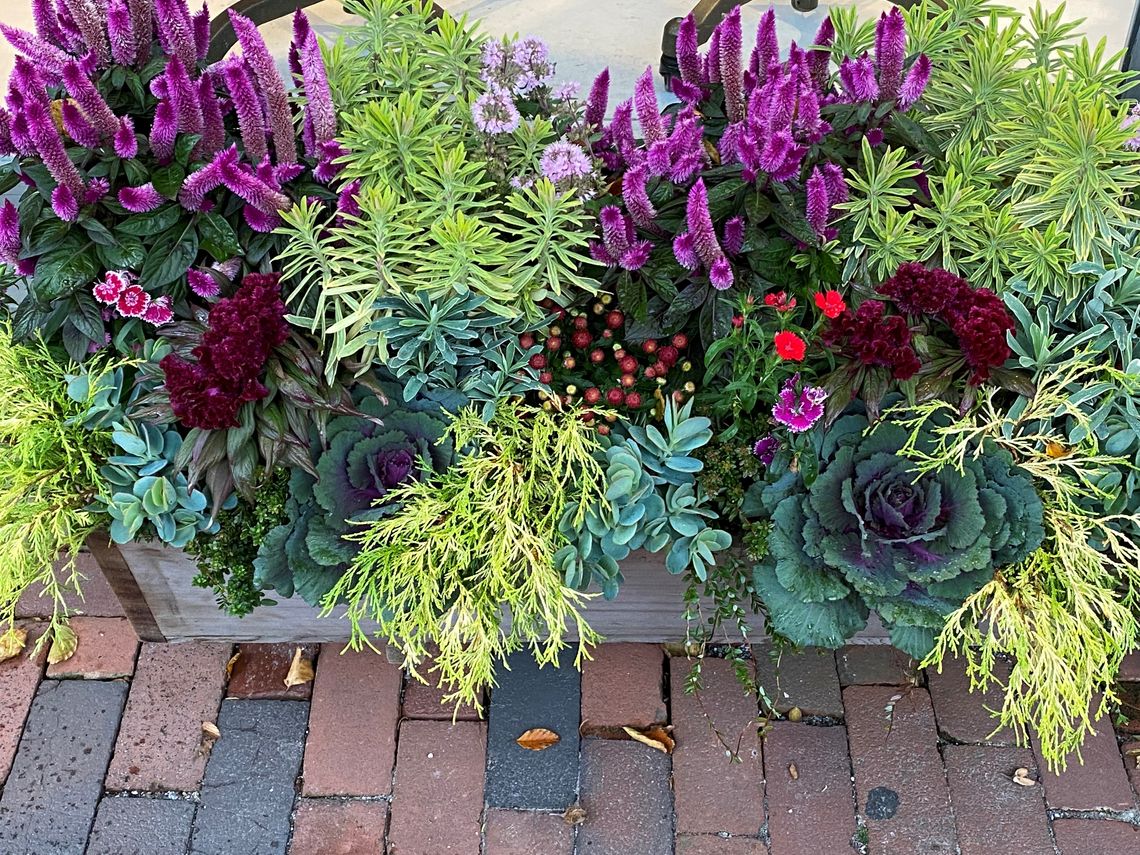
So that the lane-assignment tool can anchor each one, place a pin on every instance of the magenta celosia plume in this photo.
(890, 52)
(9, 233)
(731, 65)
(598, 99)
(247, 106)
(89, 18)
(648, 111)
(818, 207)
(139, 200)
(264, 71)
(176, 31)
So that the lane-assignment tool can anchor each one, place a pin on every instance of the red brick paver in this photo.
(1131, 754)
(425, 700)
(622, 687)
(177, 688)
(811, 807)
(525, 832)
(708, 844)
(874, 664)
(96, 598)
(352, 725)
(1100, 782)
(804, 680)
(260, 669)
(901, 786)
(994, 814)
(107, 648)
(19, 677)
(966, 716)
(1095, 837)
(333, 827)
(438, 798)
(713, 794)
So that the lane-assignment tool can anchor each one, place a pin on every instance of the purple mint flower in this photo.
(44, 56)
(915, 83)
(213, 130)
(126, 143)
(142, 22)
(347, 203)
(562, 161)
(767, 51)
(264, 70)
(635, 194)
(9, 233)
(765, 449)
(818, 207)
(616, 230)
(64, 203)
(141, 199)
(734, 235)
(176, 31)
(890, 52)
(202, 283)
(47, 23)
(494, 112)
(598, 99)
(50, 147)
(685, 252)
(799, 411)
(76, 126)
(97, 188)
(244, 183)
(711, 70)
(532, 57)
(648, 113)
(731, 69)
(835, 182)
(163, 132)
(88, 17)
(688, 52)
(96, 110)
(120, 32)
(819, 59)
(567, 91)
(251, 122)
(183, 96)
(200, 26)
(858, 78)
(319, 108)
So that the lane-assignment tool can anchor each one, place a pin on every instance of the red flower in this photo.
(133, 302)
(779, 301)
(790, 346)
(830, 303)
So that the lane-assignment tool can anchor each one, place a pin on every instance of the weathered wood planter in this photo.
(153, 583)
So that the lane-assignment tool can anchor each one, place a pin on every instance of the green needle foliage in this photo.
(49, 475)
(478, 538)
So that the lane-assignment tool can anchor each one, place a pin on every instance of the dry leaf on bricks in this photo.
(13, 642)
(300, 671)
(64, 643)
(657, 738)
(210, 735)
(230, 665)
(1021, 776)
(538, 739)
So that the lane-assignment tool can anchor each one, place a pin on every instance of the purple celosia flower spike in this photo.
(6, 145)
(648, 113)
(46, 57)
(76, 126)
(818, 207)
(915, 83)
(9, 233)
(121, 33)
(598, 99)
(176, 31)
(46, 139)
(636, 197)
(347, 203)
(318, 96)
(835, 182)
(64, 203)
(163, 132)
(767, 51)
(619, 246)
(213, 129)
(819, 59)
(80, 87)
(614, 230)
(47, 23)
(97, 188)
(734, 235)
(126, 143)
(264, 70)
(202, 282)
(244, 183)
(890, 52)
(711, 69)
(858, 79)
(183, 96)
(688, 51)
(192, 196)
(89, 17)
(139, 200)
(731, 68)
(200, 26)
(142, 22)
(703, 235)
(248, 108)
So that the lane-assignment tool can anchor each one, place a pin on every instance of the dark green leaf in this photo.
(168, 179)
(150, 224)
(74, 342)
(218, 237)
(97, 232)
(87, 318)
(9, 181)
(128, 254)
(632, 296)
(63, 270)
(184, 146)
(686, 302)
(47, 235)
(169, 258)
(136, 173)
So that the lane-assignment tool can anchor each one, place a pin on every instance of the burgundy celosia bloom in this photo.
(126, 143)
(50, 147)
(183, 95)
(120, 32)
(44, 56)
(598, 99)
(731, 68)
(242, 332)
(874, 338)
(9, 233)
(915, 83)
(176, 31)
(200, 25)
(636, 198)
(819, 60)
(88, 17)
(139, 200)
(919, 291)
(247, 105)
(76, 126)
(890, 51)
(688, 53)
(163, 132)
(981, 328)
(648, 112)
(264, 70)
(90, 101)
(798, 411)
(818, 207)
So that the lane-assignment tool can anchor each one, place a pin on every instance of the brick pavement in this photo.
(109, 756)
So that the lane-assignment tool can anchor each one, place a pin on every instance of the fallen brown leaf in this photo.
(300, 670)
(575, 815)
(210, 735)
(1021, 777)
(64, 643)
(794, 771)
(12, 642)
(1056, 450)
(655, 737)
(538, 739)
(230, 665)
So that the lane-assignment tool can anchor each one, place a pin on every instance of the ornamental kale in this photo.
(392, 443)
(871, 532)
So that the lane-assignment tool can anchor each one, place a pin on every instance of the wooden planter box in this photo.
(153, 583)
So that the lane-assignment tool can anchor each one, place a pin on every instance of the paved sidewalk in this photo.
(108, 754)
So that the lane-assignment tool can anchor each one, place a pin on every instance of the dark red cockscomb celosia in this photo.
(243, 330)
(874, 338)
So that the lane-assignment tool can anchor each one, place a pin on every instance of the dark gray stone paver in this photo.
(141, 826)
(528, 697)
(53, 789)
(247, 794)
(626, 796)
(806, 680)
